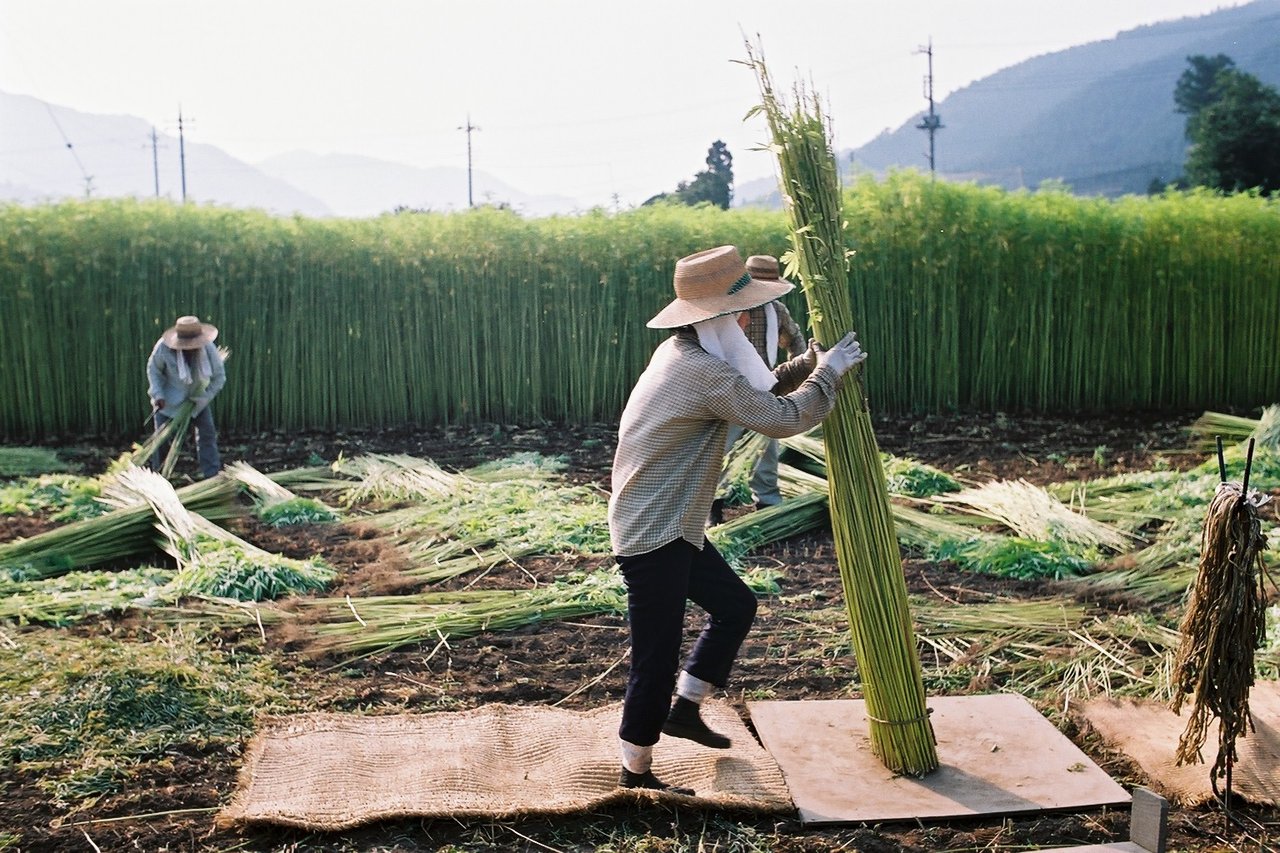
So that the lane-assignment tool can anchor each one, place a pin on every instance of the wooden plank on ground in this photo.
(1148, 732)
(997, 754)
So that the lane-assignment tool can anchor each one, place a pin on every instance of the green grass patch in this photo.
(524, 465)
(1269, 655)
(77, 595)
(83, 713)
(228, 569)
(63, 497)
(906, 476)
(293, 511)
(31, 461)
(1016, 557)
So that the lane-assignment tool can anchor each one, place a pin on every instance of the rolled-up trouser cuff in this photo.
(637, 759)
(693, 688)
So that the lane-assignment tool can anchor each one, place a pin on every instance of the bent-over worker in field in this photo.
(671, 442)
(771, 330)
(185, 365)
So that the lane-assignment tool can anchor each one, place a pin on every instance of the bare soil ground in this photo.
(580, 663)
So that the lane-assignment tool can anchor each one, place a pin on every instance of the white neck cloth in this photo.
(202, 366)
(723, 337)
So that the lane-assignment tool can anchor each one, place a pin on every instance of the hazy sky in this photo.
(585, 99)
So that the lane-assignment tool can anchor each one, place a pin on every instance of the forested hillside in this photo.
(1100, 117)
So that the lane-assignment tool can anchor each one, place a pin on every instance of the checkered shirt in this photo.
(672, 435)
(790, 338)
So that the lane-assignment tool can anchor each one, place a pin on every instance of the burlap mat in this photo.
(334, 771)
(1148, 732)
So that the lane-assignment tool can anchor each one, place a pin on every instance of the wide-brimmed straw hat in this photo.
(189, 333)
(765, 268)
(712, 283)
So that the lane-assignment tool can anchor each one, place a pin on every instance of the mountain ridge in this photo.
(385, 185)
(113, 157)
(1098, 117)
(1103, 109)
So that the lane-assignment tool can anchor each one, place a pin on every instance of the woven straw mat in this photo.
(335, 771)
(1148, 733)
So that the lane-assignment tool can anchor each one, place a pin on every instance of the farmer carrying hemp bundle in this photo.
(671, 442)
(185, 365)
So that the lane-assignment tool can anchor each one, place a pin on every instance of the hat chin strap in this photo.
(723, 337)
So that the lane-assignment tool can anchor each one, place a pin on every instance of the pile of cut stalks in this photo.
(1114, 535)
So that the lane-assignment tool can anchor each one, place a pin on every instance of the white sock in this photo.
(693, 689)
(637, 759)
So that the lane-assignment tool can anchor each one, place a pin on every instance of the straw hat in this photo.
(715, 282)
(189, 333)
(765, 268)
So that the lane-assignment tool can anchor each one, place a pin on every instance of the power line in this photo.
(88, 179)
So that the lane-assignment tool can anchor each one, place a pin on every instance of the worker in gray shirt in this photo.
(185, 365)
(671, 442)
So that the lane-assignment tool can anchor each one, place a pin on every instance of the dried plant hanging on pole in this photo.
(861, 519)
(1224, 624)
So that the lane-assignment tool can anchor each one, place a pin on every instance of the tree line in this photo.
(1233, 127)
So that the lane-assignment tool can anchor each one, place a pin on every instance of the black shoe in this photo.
(649, 782)
(717, 511)
(683, 721)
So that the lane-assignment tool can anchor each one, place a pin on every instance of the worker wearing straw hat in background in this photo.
(771, 330)
(671, 442)
(185, 365)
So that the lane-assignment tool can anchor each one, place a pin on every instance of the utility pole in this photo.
(932, 122)
(182, 155)
(468, 127)
(155, 160)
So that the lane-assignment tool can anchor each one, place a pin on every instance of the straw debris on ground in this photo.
(547, 628)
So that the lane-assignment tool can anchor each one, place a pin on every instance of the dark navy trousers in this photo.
(658, 584)
(207, 456)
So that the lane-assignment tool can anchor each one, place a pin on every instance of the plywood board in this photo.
(1148, 732)
(996, 753)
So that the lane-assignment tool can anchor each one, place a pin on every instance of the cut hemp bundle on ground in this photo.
(1265, 430)
(125, 531)
(499, 512)
(275, 504)
(212, 561)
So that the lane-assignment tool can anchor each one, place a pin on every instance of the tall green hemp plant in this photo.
(866, 545)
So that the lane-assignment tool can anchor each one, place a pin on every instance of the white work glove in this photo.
(810, 355)
(200, 403)
(843, 355)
